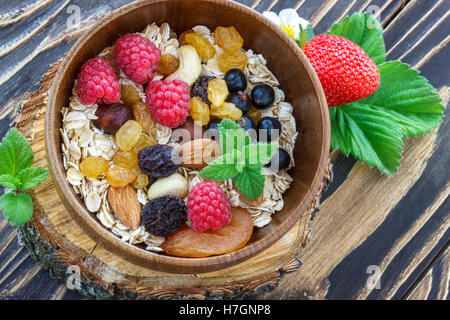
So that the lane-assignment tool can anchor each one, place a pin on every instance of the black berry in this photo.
(268, 129)
(236, 80)
(241, 100)
(158, 161)
(263, 96)
(281, 160)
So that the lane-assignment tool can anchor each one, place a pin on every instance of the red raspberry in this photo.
(168, 102)
(208, 207)
(98, 83)
(137, 57)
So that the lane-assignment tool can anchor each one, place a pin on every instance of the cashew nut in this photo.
(190, 65)
(175, 185)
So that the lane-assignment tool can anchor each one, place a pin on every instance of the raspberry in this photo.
(168, 102)
(208, 207)
(98, 83)
(137, 57)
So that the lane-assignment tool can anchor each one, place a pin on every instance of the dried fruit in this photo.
(125, 205)
(204, 48)
(142, 115)
(228, 39)
(199, 153)
(226, 111)
(128, 135)
(112, 117)
(129, 95)
(199, 111)
(93, 167)
(217, 91)
(232, 60)
(200, 88)
(144, 142)
(126, 159)
(168, 64)
(175, 185)
(182, 37)
(119, 177)
(255, 114)
(141, 181)
(158, 161)
(164, 215)
(189, 243)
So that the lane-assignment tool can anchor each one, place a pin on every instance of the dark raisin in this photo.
(158, 161)
(200, 88)
(164, 215)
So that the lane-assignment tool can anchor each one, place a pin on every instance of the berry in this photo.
(137, 57)
(164, 215)
(246, 123)
(236, 80)
(208, 207)
(98, 83)
(158, 161)
(268, 129)
(263, 96)
(241, 100)
(281, 160)
(168, 102)
(345, 71)
(200, 88)
(212, 131)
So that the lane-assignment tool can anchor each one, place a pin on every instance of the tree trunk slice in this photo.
(56, 242)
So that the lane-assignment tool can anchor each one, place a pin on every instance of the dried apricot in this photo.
(204, 48)
(144, 142)
(126, 159)
(235, 60)
(128, 135)
(168, 64)
(199, 111)
(217, 91)
(120, 177)
(189, 243)
(228, 39)
(93, 167)
(226, 111)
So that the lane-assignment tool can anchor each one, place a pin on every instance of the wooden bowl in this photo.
(285, 59)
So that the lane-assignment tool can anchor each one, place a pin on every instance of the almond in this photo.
(199, 153)
(125, 204)
(252, 203)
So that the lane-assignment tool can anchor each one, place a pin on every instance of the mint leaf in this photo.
(259, 153)
(365, 31)
(9, 181)
(250, 182)
(223, 168)
(17, 208)
(32, 177)
(15, 153)
(370, 134)
(232, 136)
(408, 97)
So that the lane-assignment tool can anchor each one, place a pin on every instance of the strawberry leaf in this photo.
(365, 31)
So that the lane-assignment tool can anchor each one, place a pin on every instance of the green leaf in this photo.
(365, 31)
(232, 136)
(408, 97)
(370, 134)
(32, 177)
(17, 208)
(223, 168)
(305, 35)
(9, 181)
(250, 182)
(15, 153)
(259, 153)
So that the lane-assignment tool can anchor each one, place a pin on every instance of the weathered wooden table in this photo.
(369, 225)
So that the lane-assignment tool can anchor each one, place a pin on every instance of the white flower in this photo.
(289, 21)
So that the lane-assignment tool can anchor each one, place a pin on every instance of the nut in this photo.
(112, 117)
(174, 185)
(252, 203)
(125, 204)
(199, 153)
(190, 65)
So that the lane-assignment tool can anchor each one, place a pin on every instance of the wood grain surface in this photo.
(369, 225)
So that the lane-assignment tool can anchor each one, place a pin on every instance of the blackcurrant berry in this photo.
(236, 80)
(263, 96)
(268, 129)
(241, 100)
(280, 161)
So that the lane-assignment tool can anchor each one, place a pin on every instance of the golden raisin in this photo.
(228, 39)
(129, 95)
(126, 159)
(144, 142)
(168, 64)
(182, 38)
(141, 181)
(199, 111)
(93, 167)
(128, 135)
(120, 177)
(254, 114)
(142, 115)
(217, 91)
(235, 60)
(226, 110)
(204, 48)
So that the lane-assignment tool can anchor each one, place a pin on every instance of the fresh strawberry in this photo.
(346, 72)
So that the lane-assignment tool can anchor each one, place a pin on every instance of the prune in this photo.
(158, 161)
(164, 215)
(263, 96)
(269, 129)
(241, 100)
(236, 80)
(200, 88)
